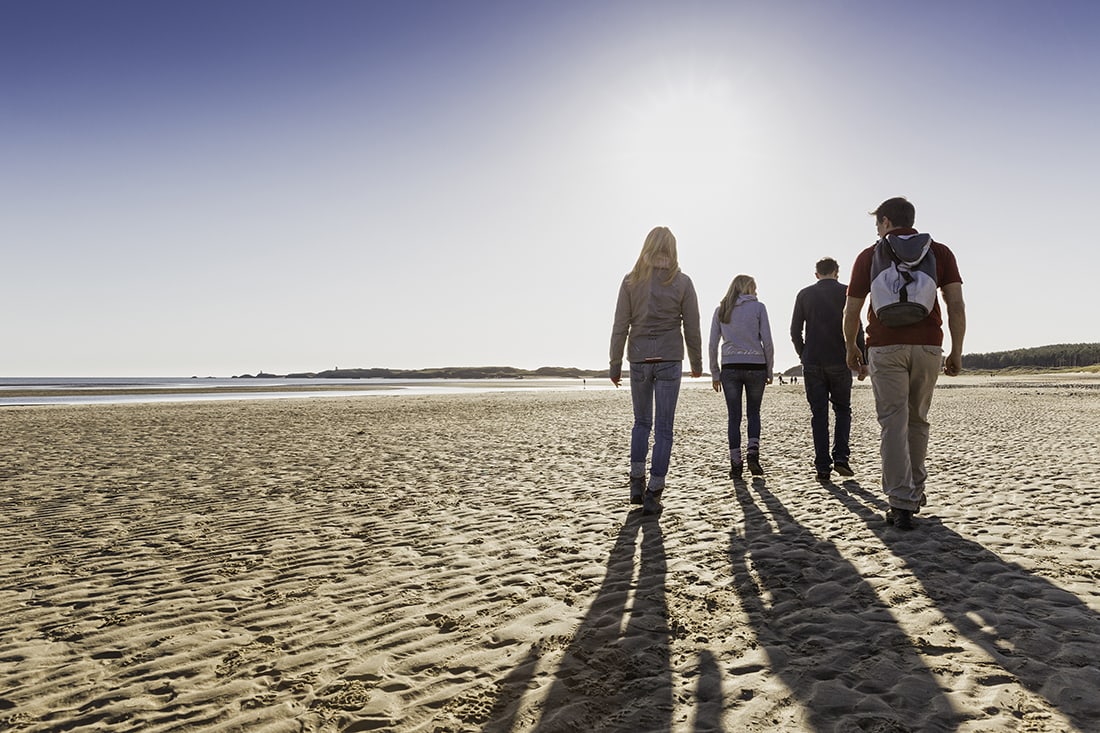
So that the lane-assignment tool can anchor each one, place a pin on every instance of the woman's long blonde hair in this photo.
(659, 250)
(741, 285)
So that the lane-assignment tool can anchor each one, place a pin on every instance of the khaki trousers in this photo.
(903, 378)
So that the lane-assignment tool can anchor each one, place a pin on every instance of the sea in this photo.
(24, 391)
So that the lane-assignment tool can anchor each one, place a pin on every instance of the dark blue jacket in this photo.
(820, 308)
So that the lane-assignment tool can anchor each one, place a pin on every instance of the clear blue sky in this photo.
(213, 187)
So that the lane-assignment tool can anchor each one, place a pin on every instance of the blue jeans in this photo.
(653, 382)
(825, 384)
(752, 382)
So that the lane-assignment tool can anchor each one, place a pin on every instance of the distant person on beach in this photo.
(904, 360)
(740, 325)
(656, 312)
(818, 336)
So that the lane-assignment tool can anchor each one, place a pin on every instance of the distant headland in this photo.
(1055, 356)
(487, 372)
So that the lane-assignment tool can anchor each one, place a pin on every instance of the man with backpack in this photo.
(901, 273)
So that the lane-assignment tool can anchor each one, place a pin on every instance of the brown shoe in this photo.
(753, 459)
(900, 518)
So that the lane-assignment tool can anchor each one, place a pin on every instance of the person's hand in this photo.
(855, 358)
(769, 380)
(953, 365)
(696, 375)
(716, 384)
(863, 372)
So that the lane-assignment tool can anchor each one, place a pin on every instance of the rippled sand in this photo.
(470, 563)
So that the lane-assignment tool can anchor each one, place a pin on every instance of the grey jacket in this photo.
(653, 320)
(746, 339)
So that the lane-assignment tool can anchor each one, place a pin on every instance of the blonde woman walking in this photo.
(656, 312)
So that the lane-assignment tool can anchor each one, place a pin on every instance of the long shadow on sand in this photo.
(611, 677)
(1043, 636)
(828, 636)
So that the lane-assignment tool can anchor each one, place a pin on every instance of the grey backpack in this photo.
(903, 279)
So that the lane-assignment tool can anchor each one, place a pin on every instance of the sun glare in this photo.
(691, 129)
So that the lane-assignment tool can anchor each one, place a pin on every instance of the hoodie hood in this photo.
(909, 248)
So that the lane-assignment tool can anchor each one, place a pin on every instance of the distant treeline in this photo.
(490, 372)
(1058, 356)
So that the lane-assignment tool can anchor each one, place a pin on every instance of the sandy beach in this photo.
(469, 562)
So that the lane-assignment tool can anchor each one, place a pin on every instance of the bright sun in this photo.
(697, 130)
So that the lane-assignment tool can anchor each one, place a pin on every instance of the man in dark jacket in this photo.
(819, 310)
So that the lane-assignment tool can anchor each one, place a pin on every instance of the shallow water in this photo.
(26, 391)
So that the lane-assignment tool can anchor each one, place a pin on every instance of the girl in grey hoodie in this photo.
(740, 325)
